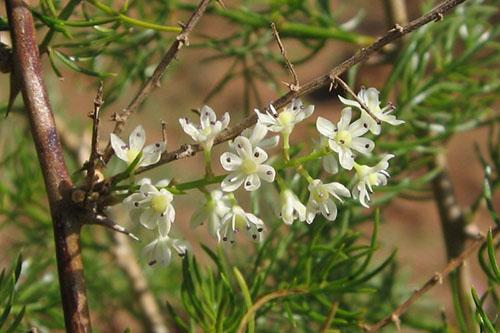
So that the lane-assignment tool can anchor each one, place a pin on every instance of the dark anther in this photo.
(152, 262)
(157, 145)
(342, 141)
(232, 242)
(212, 123)
(254, 236)
(124, 147)
(367, 145)
(260, 229)
(365, 125)
(239, 146)
(248, 183)
(224, 238)
(256, 154)
(136, 204)
(228, 160)
(269, 173)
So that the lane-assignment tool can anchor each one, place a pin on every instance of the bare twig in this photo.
(454, 226)
(127, 261)
(66, 220)
(164, 133)
(110, 224)
(331, 314)
(94, 154)
(263, 300)
(319, 82)
(295, 85)
(353, 94)
(154, 81)
(437, 278)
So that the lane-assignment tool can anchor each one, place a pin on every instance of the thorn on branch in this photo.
(398, 28)
(395, 319)
(295, 86)
(439, 17)
(110, 224)
(164, 133)
(353, 94)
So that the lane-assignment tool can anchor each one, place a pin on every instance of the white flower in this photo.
(209, 127)
(152, 206)
(291, 207)
(345, 137)
(257, 137)
(215, 207)
(320, 201)
(370, 99)
(329, 162)
(159, 251)
(366, 177)
(150, 154)
(237, 219)
(285, 121)
(245, 166)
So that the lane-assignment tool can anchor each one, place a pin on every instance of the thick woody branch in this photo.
(65, 220)
(154, 81)
(437, 278)
(320, 82)
(94, 154)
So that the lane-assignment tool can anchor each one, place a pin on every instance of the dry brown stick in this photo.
(154, 81)
(331, 314)
(127, 262)
(353, 94)
(94, 154)
(453, 225)
(431, 282)
(295, 86)
(324, 80)
(66, 221)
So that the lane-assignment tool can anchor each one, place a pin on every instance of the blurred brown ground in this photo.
(412, 227)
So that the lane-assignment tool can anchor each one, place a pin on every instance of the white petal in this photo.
(152, 154)
(207, 115)
(329, 210)
(330, 164)
(265, 119)
(243, 146)
(258, 133)
(147, 188)
(163, 183)
(269, 142)
(164, 225)
(260, 156)
(198, 217)
(372, 124)
(337, 189)
(119, 147)
(252, 182)
(345, 158)
(325, 127)
(349, 102)
(232, 182)
(362, 145)
(148, 218)
(137, 138)
(308, 111)
(358, 128)
(345, 119)
(371, 100)
(230, 161)
(267, 173)
(189, 129)
(225, 120)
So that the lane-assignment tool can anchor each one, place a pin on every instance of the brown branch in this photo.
(154, 81)
(353, 94)
(331, 314)
(431, 282)
(65, 220)
(126, 260)
(295, 85)
(94, 154)
(453, 225)
(322, 81)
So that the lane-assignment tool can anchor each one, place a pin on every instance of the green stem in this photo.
(286, 147)
(207, 154)
(132, 21)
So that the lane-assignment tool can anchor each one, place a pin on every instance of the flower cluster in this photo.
(248, 166)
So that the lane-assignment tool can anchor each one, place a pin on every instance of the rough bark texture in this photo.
(66, 218)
